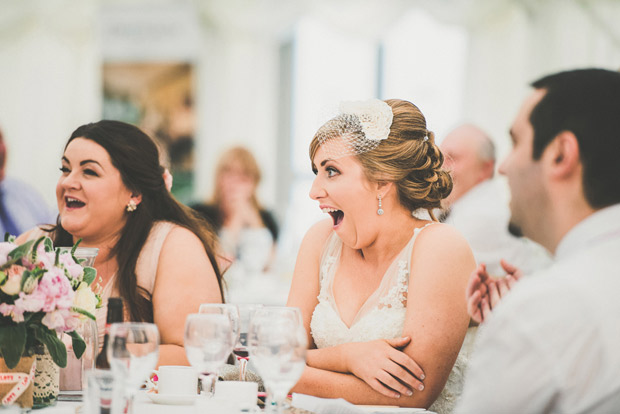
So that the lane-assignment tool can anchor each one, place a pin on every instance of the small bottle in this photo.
(115, 314)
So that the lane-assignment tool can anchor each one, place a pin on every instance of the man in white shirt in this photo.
(552, 345)
(478, 206)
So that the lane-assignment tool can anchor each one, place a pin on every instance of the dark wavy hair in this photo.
(136, 157)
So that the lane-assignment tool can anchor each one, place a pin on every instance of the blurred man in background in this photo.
(21, 207)
(478, 204)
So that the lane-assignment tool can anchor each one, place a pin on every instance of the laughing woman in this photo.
(153, 252)
(382, 293)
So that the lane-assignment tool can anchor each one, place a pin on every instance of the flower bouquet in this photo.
(43, 292)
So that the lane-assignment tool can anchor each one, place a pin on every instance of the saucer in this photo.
(172, 399)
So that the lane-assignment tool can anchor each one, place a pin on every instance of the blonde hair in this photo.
(406, 158)
(244, 158)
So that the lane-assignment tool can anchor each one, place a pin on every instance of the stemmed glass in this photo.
(133, 351)
(277, 343)
(227, 309)
(208, 342)
(246, 312)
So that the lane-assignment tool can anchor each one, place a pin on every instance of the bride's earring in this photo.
(131, 206)
(380, 210)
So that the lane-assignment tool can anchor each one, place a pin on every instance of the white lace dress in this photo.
(381, 317)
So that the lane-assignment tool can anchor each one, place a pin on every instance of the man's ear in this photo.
(564, 155)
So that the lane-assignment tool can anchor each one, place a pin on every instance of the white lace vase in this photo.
(46, 379)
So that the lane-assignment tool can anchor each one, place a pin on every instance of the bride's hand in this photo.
(384, 367)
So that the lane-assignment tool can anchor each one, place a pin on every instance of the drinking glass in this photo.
(277, 342)
(246, 312)
(133, 351)
(208, 342)
(227, 309)
(86, 255)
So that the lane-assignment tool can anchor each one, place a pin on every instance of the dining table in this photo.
(144, 405)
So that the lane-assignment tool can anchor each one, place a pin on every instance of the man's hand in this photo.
(485, 292)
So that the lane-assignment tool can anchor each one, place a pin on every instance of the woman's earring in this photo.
(380, 210)
(131, 206)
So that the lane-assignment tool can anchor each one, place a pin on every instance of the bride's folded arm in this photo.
(436, 321)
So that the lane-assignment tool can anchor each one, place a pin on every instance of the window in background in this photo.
(424, 61)
(149, 52)
(157, 97)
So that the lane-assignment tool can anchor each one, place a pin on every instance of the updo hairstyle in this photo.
(405, 158)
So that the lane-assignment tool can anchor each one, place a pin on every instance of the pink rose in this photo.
(12, 311)
(56, 319)
(44, 260)
(75, 270)
(6, 309)
(30, 303)
(53, 292)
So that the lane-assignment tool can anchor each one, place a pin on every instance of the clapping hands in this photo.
(484, 292)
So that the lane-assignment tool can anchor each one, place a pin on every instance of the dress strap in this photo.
(329, 260)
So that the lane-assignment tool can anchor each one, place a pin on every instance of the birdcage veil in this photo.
(359, 127)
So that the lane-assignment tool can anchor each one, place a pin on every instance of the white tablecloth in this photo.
(144, 406)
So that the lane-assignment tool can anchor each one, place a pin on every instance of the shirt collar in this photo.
(597, 227)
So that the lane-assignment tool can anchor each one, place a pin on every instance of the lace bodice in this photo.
(382, 316)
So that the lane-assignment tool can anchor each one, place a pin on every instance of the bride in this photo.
(382, 293)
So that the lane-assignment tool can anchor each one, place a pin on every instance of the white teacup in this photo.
(177, 380)
(242, 392)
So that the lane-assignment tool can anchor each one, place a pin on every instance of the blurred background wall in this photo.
(207, 74)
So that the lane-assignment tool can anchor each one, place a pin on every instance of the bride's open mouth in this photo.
(337, 215)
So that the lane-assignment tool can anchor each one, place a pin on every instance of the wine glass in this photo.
(246, 312)
(133, 351)
(277, 342)
(208, 342)
(227, 309)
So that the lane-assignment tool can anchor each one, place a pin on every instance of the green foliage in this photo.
(79, 346)
(13, 343)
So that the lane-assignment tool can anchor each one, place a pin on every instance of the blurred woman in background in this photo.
(247, 231)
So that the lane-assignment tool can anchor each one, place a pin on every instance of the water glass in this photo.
(227, 309)
(246, 313)
(133, 351)
(208, 342)
(86, 255)
(277, 343)
(103, 393)
(73, 376)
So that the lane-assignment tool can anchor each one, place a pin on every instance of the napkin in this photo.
(341, 406)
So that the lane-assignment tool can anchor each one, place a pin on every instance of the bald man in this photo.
(478, 204)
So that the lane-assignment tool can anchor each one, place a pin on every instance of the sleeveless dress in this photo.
(382, 316)
(146, 270)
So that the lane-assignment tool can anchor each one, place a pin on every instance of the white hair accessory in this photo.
(375, 116)
(359, 128)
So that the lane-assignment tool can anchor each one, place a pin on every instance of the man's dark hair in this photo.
(585, 102)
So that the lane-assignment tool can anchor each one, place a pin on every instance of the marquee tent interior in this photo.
(267, 73)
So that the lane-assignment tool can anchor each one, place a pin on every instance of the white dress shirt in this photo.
(481, 215)
(553, 345)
